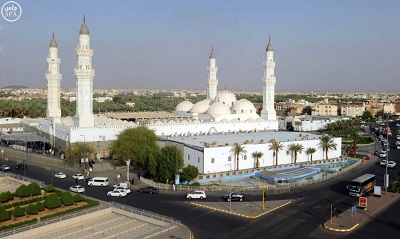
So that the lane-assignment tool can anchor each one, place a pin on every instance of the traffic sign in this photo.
(363, 202)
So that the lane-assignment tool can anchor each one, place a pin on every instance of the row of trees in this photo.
(326, 142)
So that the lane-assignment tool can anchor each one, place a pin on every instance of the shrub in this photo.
(39, 206)
(18, 212)
(34, 189)
(31, 209)
(394, 187)
(67, 199)
(26, 202)
(4, 215)
(52, 201)
(49, 188)
(10, 195)
(78, 197)
(4, 197)
(23, 191)
(195, 184)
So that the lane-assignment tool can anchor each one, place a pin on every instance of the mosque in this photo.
(219, 114)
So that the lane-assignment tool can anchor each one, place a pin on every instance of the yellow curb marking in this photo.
(239, 214)
(341, 230)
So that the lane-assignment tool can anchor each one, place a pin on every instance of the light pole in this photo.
(387, 157)
(2, 156)
(128, 163)
(84, 158)
(230, 186)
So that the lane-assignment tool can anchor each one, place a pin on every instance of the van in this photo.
(98, 181)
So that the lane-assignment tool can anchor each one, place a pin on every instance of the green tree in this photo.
(78, 198)
(276, 147)
(5, 197)
(31, 209)
(67, 199)
(136, 144)
(78, 150)
(39, 206)
(4, 215)
(367, 116)
(190, 172)
(34, 189)
(52, 201)
(49, 188)
(23, 191)
(152, 166)
(327, 143)
(310, 151)
(238, 150)
(257, 155)
(295, 148)
(18, 212)
(170, 162)
(355, 137)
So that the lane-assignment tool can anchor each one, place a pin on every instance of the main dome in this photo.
(200, 107)
(226, 97)
(219, 108)
(243, 106)
(184, 106)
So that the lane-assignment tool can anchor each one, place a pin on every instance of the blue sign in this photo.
(353, 208)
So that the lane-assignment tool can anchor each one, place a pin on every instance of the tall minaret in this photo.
(84, 75)
(212, 81)
(53, 78)
(268, 112)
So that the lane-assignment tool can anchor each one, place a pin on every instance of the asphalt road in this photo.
(301, 219)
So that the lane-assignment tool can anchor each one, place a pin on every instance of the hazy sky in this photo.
(319, 45)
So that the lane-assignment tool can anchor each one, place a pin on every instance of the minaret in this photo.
(212, 81)
(53, 78)
(268, 112)
(84, 75)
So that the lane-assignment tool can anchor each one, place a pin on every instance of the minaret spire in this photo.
(84, 74)
(53, 78)
(212, 82)
(268, 112)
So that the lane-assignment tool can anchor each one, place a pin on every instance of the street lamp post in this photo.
(2, 156)
(84, 159)
(387, 158)
(128, 163)
(230, 186)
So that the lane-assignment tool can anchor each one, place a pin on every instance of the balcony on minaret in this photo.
(81, 73)
(83, 51)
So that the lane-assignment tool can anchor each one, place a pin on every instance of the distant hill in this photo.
(15, 87)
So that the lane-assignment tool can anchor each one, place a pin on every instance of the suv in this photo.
(21, 166)
(196, 194)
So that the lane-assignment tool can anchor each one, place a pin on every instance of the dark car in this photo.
(21, 166)
(234, 197)
(150, 190)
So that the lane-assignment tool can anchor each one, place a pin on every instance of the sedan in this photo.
(117, 193)
(234, 197)
(382, 155)
(78, 176)
(4, 167)
(60, 175)
(77, 189)
(391, 164)
(21, 166)
(128, 190)
(150, 190)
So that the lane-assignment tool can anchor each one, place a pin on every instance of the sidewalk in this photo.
(349, 221)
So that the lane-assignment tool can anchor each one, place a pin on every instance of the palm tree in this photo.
(238, 150)
(276, 146)
(256, 155)
(355, 136)
(326, 143)
(310, 151)
(295, 148)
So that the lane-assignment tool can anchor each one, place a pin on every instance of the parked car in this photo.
(149, 190)
(21, 166)
(398, 124)
(397, 143)
(78, 176)
(199, 194)
(382, 155)
(117, 193)
(60, 175)
(77, 189)
(122, 184)
(4, 167)
(398, 137)
(390, 164)
(234, 197)
(128, 190)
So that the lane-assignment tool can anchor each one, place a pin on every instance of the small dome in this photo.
(212, 55)
(243, 106)
(269, 46)
(53, 42)
(84, 29)
(219, 108)
(184, 106)
(200, 107)
(226, 97)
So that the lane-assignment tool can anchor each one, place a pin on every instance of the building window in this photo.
(229, 158)
(212, 160)
(188, 157)
(198, 159)
(245, 157)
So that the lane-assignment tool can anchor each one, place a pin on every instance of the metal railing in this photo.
(20, 177)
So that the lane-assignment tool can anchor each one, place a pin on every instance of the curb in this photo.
(239, 214)
(341, 230)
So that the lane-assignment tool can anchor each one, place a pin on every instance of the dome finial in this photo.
(53, 42)
(84, 29)
(269, 46)
(212, 55)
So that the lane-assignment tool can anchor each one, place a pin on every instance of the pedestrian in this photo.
(133, 181)
(139, 176)
(173, 187)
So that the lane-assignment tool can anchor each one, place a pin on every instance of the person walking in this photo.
(132, 181)
(173, 187)
(139, 176)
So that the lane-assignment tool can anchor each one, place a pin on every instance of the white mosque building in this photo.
(220, 114)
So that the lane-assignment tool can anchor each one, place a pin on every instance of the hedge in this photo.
(11, 226)
(49, 188)
(52, 201)
(31, 209)
(39, 206)
(90, 204)
(394, 187)
(78, 197)
(6, 196)
(25, 202)
(18, 212)
(34, 189)
(67, 199)
(4, 215)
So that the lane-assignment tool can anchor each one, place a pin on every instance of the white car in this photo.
(128, 190)
(78, 176)
(391, 164)
(199, 194)
(398, 136)
(382, 155)
(60, 175)
(4, 167)
(398, 125)
(77, 189)
(117, 193)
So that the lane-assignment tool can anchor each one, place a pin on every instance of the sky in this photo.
(319, 45)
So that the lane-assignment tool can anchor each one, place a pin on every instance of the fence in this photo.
(283, 187)
(13, 175)
(172, 222)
